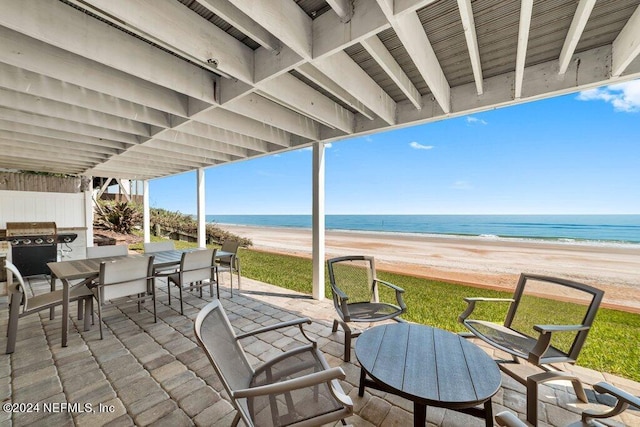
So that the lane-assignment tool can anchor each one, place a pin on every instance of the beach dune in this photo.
(476, 261)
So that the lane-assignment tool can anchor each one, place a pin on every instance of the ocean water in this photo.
(623, 229)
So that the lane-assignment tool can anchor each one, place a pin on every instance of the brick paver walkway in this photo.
(146, 373)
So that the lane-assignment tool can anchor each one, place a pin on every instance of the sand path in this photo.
(475, 261)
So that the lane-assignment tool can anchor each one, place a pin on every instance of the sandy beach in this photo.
(477, 261)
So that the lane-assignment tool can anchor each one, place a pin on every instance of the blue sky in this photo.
(575, 154)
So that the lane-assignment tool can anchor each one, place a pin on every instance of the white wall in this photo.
(65, 209)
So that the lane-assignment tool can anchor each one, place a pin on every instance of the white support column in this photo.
(88, 210)
(146, 214)
(202, 221)
(317, 220)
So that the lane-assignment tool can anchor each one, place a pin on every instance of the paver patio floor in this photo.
(146, 373)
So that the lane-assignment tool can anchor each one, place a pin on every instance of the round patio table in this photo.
(429, 366)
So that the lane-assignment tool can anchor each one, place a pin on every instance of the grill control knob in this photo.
(49, 239)
(67, 239)
(15, 242)
(26, 241)
(39, 241)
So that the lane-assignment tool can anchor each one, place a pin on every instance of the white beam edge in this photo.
(526, 9)
(172, 24)
(284, 19)
(41, 58)
(498, 93)
(579, 21)
(383, 57)
(469, 26)
(342, 8)
(414, 39)
(24, 81)
(316, 76)
(272, 114)
(95, 40)
(67, 126)
(308, 101)
(234, 16)
(401, 7)
(626, 47)
(243, 125)
(346, 73)
(54, 109)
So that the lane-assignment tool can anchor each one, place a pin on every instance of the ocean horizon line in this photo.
(586, 229)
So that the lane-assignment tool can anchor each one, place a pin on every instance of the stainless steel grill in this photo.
(33, 245)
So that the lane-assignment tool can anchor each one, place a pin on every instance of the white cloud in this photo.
(462, 185)
(417, 146)
(624, 97)
(475, 120)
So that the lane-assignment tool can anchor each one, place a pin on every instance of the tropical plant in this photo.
(120, 217)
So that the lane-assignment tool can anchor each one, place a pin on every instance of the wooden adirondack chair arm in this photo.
(471, 305)
(292, 384)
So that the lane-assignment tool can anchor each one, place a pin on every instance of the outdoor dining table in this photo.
(89, 269)
(429, 366)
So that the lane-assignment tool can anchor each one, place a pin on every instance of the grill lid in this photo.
(15, 229)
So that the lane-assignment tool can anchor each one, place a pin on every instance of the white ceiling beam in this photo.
(526, 9)
(579, 21)
(342, 8)
(58, 144)
(163, 151)
(586, 72)
(37, 150)
(266, 111)
(383, 57)
(345, 72)
(230, 142)
(626, 47)
(316, 76)
(238, 124)
(10, 162)
(308, 101)
(401, 7)
(234, 16)
(63, 137)
(188, 151)
(24, 81)
(331, 35)
(284, 19)
(39, 57)
(173, 25)
(41, 161)
(186, 139)
(55, 109)
(413, 37)
(90, 38)
(469, 26)
(67, 126)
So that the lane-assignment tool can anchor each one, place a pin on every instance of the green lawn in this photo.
(612, 344)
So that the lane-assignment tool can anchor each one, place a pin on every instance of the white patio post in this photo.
(202, 221)
(88, 210)
(146, 214)
(318, 221)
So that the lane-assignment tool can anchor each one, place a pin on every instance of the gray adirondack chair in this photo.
(295, 388)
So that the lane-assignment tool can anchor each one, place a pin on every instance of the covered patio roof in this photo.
(143, 89)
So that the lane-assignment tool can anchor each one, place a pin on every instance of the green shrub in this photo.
(120, 217)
